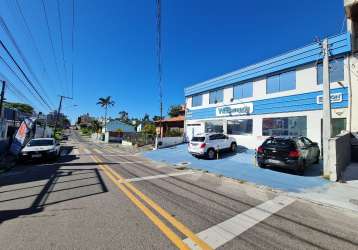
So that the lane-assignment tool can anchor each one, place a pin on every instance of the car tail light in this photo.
(203, 145)
(260, 150)
(294, 153)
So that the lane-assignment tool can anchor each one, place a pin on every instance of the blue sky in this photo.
(115, 55)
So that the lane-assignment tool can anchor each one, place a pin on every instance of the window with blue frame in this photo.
(281, 82)
(196, 100)
(336, 71)
(216, 96)
(243, 90)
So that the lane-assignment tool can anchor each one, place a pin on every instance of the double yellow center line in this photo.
(132, 193)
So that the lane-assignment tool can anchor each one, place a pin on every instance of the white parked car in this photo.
(47, 148)
(207, 144)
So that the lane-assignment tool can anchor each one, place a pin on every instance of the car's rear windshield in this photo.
(198, 138)
(35, 143)
(279, 142)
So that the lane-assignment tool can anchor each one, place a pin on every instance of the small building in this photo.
(116, 126)
(173, 126)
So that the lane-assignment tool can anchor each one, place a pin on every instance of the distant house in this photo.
(171, 126)
(116, 125)
(140, 127)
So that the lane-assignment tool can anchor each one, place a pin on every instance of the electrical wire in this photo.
(24, 75)
(73, 44)
(51, 43)
(27, 64)
(32, 39)
(61, 39)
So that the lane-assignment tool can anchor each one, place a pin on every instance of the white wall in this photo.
(253, 141)
(168, 141)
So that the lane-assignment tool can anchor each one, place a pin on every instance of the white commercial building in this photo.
(279, 96)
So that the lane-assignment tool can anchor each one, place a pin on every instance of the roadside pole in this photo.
(2, 98)
(327, 115)
(58, 111)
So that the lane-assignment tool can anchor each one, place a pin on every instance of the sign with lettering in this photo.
(335, 97)
(236, 109)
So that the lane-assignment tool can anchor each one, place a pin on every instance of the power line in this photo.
(51, 42)
(11, 87)
(25, 76)
(8, 32)
(73, 43)
(19, 9)
(20, 80)
(61, 38)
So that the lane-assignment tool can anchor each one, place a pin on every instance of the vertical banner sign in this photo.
(20, 136)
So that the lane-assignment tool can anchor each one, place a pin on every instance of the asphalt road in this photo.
(97, 196)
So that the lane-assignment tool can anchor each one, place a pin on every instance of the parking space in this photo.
(242, 166)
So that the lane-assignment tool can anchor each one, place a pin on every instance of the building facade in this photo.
(116, 126)
(279, 96)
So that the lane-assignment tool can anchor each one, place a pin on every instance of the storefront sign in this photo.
(336, 97)
(237, 109)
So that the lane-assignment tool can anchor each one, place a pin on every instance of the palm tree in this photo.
(105, 103)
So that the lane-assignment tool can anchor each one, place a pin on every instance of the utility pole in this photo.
(2, 97)
(159, 58)
(59, 110)
(327, 114)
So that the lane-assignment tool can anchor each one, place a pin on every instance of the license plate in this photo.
(274, 161)
(36, 155)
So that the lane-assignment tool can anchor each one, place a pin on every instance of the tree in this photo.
(149, 129)
(22, 107)
(156, 118)
(105, 103)
(123, 116)
(146, 118)
(174, 110)
(95, 125)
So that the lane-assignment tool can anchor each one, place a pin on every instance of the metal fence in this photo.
(139, 139)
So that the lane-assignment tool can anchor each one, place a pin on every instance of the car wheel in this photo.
(211, 153)
(233, 147)
(261, 165)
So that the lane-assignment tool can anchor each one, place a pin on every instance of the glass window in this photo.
(336, 71)
(239, 127)
(281, 82)
(196, 100)
(293, 126)
(288, 81)
(243, 90)
(214, 126)
(216, 96)
(338, 124)
(198, 138)
(45, 142)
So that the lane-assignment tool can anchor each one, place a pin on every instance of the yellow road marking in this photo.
(178, 225)
(177, 241)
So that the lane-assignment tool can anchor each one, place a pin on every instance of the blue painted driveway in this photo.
(241, 166)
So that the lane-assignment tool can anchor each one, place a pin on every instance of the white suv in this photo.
(207, 144)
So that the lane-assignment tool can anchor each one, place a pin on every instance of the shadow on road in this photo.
(48, 184)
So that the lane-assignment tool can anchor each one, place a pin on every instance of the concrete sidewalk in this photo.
(342, 195)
